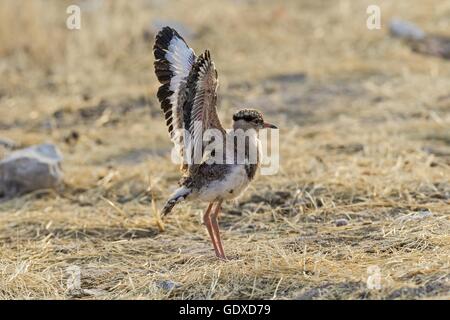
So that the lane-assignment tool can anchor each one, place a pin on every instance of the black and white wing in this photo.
(188, 94)
(173, 63)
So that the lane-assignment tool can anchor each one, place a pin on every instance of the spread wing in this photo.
(200, 111)
(173, 63)
(188, 95)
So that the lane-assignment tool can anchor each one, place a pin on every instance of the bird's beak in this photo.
(269, 125)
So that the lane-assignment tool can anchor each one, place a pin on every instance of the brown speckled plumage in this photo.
(188, 96)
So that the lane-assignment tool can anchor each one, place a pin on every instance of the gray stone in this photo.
(405, 30)
(34, 168)
(167, 285)
(341, 222)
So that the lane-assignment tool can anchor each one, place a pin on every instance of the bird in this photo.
(188, 98)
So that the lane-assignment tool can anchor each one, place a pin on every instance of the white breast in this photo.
(235, 182)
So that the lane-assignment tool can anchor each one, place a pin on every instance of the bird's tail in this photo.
(179, 195)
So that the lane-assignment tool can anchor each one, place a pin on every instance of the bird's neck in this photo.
(245, 146)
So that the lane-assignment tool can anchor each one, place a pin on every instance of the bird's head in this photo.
(250, 119)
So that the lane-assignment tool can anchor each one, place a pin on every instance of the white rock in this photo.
(34, 168)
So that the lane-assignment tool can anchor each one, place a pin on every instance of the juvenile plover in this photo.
(188, 97)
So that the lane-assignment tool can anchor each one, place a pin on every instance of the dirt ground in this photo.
(358, 210)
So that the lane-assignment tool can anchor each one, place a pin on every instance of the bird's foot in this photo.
(230, 257)
(222, 257)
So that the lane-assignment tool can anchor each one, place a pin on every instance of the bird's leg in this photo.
(207, 222)
(216, 231)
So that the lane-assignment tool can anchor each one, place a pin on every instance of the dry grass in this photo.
(365, 136)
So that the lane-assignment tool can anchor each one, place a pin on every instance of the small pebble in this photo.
(167, 285)
(341, 222)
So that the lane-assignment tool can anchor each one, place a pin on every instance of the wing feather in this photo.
(203, 112)
(188, 92)
(173, 64)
